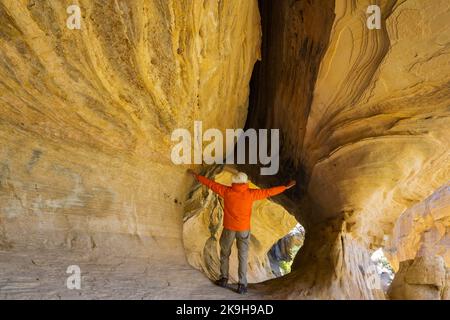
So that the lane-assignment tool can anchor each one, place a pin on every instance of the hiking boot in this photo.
(241, 289)
(222, 282)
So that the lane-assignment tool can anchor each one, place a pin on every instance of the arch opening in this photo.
(275, 237)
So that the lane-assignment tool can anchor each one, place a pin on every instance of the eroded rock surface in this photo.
(371, 141)
(424, 278)
(420, 249)
(86, 118)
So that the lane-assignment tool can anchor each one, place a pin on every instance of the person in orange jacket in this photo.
(238, 201)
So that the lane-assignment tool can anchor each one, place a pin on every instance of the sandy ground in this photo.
(33, 274)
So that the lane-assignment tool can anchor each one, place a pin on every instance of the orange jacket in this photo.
(238, 201)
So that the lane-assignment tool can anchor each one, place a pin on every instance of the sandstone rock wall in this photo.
(422, 230)
(86, 115)
(424, 278)
(419, 249)
(371, 141)
(377, 137)
(86, 118)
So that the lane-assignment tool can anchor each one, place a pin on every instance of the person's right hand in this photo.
(291, 184)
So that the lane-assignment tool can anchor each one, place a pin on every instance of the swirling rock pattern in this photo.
(86, 118)
(373, 138)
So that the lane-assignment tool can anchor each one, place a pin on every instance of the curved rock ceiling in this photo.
(86, 118)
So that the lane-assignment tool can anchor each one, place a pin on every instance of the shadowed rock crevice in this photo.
(295, 37)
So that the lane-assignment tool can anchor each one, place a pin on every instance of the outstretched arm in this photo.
(259, 194)
(218, 188)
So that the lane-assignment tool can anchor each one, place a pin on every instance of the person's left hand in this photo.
(291, 184)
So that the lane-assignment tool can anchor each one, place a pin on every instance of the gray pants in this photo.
(242, 242)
